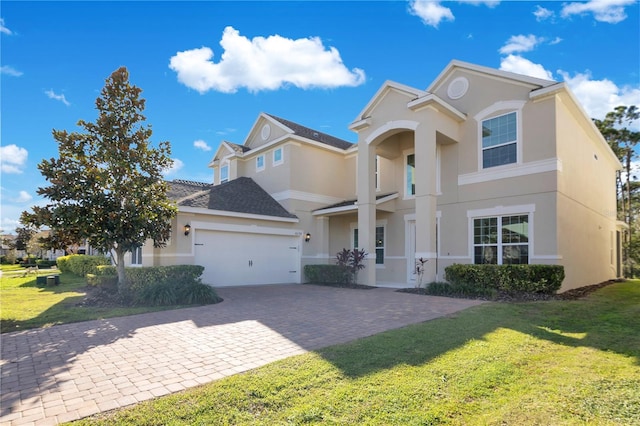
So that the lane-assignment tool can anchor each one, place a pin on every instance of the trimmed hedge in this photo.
(326, 274)
(542, 279)
(43, 263)
(160, 285)
(81, 264)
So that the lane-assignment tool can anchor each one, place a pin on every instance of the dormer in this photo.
(225, 161)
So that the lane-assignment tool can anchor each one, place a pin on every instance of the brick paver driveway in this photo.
(67, 372)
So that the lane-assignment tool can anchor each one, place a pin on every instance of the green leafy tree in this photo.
(615, 128)
(623, 142)
(23, 242)
(106, 186)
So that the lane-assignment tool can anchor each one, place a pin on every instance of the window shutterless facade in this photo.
(224, 174)
(501, 240)
(499, 140)
(410, 175)
(277, 156)
(259, 163)
(379, 243)
(136, 256)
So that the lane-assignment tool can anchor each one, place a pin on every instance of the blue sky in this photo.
(207, 69)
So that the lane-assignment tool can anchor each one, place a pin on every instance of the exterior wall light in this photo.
(187, 229)
(307, 238)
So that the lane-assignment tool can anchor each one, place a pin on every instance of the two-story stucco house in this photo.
(483, 166)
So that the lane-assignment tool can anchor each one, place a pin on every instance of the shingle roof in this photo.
(238, 148)
(241, 195)
(313, 134)
(351, 202)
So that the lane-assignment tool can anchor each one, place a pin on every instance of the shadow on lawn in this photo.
(313, 318)
(606, 324)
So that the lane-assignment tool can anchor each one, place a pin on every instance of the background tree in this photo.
(23, 242)
(622, 141)
(615, 128)
(106, 186)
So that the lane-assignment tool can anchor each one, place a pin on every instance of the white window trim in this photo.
(138, 258)
(501, 211)
(379, 223)
(405, 154)
(273, 157)
(258, 167)
(222, 166)
(504, 108)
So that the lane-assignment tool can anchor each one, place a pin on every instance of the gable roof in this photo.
(241, 195)
(312, 134)
(456, 64)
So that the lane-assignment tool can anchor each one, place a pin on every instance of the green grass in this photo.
(24, 305)
(543, 363)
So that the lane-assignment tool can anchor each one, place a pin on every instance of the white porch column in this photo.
(367, 211)
(322, 227)
(425, 197)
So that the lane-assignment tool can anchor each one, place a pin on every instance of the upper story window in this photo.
(259, 163)
(224, 174)
(499, 140)
(277, 156)
(410, 175)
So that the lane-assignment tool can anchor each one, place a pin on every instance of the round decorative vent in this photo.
(266, 131)
(458, 88)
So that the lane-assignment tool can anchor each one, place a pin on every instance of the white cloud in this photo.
(555, 41)
(520, 43)
(542, 13)
(264, 64)
(4, 29)
(200, 144)
(23, 197)
(52, 95)
(488, 3)
(610, 11)
(431, 12)
(520, 65)
(9, 225)
(6, 69)
(12, 158)
(598, 97)
(175, 167)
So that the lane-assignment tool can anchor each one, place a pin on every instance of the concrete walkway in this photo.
(67, 372)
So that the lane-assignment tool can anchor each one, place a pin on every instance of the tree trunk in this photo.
(123, 285)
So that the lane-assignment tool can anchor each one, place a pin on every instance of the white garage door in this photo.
(236, 258)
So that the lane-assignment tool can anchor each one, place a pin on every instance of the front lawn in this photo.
(549, 363)
(27, 305)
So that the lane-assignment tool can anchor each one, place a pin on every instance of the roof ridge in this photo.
(192, 182)
(313, 134)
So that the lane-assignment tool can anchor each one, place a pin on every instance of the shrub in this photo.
(352, 262)
(45, 263)
(103, 281)
(197, 293)
(81, 264)
(327, 274)
(160, 294)
(543, 279)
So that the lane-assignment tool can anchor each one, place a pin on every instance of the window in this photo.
(277, 156)
(379, 243)
(501, 240)
(410, 173)
(259, 163)
(136, 256)
(499, 140)
(224, 174)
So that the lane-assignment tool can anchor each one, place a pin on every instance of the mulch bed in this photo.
(577, 293)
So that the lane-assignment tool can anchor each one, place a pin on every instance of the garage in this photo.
(246, 258)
